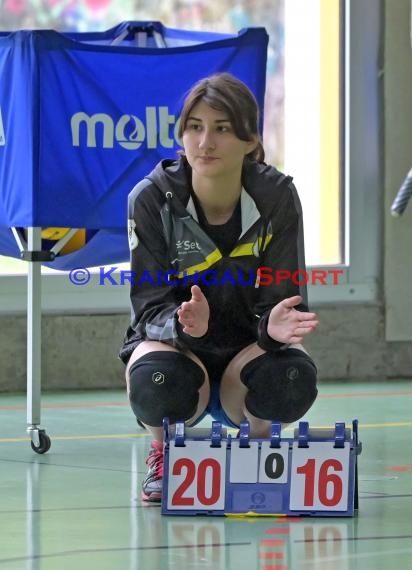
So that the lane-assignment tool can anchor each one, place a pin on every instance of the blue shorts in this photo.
(214, 408)
(216, 364)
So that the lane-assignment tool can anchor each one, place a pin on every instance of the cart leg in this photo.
(40, 442)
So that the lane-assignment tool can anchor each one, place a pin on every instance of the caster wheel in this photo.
(44, 444)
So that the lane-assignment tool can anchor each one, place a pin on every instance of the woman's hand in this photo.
(288, 325)
(194, 315)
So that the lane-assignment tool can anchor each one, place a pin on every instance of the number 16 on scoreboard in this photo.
(319, 477)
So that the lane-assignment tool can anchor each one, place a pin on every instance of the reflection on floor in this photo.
(78, 507)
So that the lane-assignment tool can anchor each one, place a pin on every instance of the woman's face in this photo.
(211, 145)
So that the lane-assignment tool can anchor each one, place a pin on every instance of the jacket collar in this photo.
(258, 197)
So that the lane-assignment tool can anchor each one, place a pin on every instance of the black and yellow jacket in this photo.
(170, 252)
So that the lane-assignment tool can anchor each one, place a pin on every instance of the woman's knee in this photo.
(146, 347)
(164, 383)
(280, 386)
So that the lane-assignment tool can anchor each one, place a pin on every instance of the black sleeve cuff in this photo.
(265, 341)
(190, 341)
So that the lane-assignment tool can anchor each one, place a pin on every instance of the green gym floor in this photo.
(78, 506)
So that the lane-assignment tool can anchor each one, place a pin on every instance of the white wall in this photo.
(397, 162)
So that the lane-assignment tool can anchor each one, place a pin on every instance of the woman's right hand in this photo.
(194, 315)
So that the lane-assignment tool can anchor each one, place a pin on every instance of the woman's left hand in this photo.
(288, 325)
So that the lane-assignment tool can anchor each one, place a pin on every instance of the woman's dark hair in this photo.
(226, 93)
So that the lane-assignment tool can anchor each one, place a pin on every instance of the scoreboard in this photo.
(208, 472)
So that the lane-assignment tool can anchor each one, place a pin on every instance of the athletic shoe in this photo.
(152, 484)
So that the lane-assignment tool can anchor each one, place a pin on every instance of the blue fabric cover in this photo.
(84, 116)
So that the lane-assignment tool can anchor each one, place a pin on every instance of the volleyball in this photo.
(50, 236)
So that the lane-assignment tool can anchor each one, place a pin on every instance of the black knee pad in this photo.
(281, 386)
(164, 384)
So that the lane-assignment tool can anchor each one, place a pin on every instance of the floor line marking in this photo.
(74, 405)
(120, 549)
(77, 437)
(318, 561)
(355, 538)
(400, 496)
(366, 394)
(138, 435)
